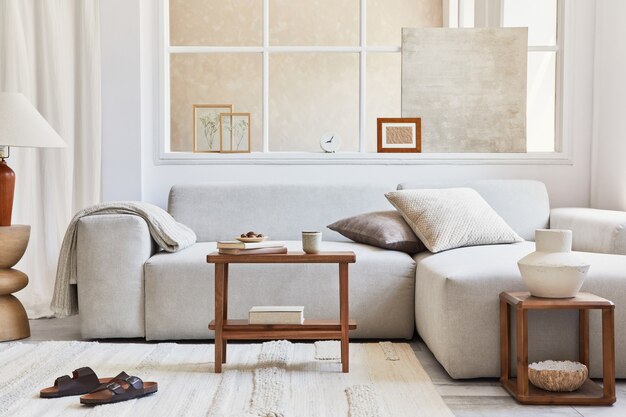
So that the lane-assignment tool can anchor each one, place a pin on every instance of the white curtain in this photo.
(50, 52)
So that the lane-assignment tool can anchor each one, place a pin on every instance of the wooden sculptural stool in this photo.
(13, 320)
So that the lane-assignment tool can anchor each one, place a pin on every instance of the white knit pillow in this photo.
(451, 218)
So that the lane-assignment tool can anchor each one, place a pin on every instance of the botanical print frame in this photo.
(235, 132)
(402, 134)
(207, 126)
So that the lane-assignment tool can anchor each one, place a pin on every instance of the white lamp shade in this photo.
(22, 125)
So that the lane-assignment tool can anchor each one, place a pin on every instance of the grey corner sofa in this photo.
(451, 298)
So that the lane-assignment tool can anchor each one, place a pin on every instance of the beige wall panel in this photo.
(468, 86)
(216, 22)
(214, 79)
(386, 18)
(307, 22)
(383, 92)
(310, 94)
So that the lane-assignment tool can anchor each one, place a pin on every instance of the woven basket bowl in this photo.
(559, 376)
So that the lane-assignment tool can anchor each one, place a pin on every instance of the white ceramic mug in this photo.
(311, 242)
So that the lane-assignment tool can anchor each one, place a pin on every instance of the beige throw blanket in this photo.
(166, 232)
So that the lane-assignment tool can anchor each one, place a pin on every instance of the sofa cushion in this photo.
(383, 229)
(457, 308)
(180, 290)
(523, 204)
(451, 218)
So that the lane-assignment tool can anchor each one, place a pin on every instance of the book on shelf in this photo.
(235, 244)
(276, 315)
(257, 251)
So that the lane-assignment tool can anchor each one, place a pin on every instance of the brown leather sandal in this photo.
(119, 389)
(83, 380)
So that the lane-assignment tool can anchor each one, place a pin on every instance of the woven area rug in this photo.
(269, 379)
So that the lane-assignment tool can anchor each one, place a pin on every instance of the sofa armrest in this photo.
(111, 252)
(593, 230)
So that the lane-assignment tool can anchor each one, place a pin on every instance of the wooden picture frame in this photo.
(401, 134)
(235, 132)
(207, 126)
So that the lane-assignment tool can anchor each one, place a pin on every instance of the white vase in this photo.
(553, 271)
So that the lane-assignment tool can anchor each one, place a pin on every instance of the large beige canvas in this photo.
(468, 86)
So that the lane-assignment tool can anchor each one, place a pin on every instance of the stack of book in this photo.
(276, 315)
(235, 247)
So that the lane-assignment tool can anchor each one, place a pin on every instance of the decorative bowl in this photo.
(558, 376)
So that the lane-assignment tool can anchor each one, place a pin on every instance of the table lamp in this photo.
(20, 125)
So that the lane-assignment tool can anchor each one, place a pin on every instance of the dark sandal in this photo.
(83, 380)
(119, 389)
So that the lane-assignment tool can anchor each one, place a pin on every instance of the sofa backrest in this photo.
(523, 204)
(222, 211)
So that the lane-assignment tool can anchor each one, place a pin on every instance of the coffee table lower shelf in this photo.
(589, 393)
(310, 330)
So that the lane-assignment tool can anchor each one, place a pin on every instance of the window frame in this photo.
(164, 156)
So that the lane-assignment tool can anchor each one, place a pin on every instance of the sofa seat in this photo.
(457, 309)
(179, 291)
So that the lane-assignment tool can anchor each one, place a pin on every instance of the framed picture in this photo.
(206, 126)
(235, 132)
(399, 134)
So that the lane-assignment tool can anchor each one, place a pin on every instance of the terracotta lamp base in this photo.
(7, 191)
(13, 319)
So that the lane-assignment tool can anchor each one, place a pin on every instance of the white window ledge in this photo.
(358, 158)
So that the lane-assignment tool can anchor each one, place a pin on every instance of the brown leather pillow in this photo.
(384, 229)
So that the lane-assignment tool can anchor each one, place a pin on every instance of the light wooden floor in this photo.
(466, 398)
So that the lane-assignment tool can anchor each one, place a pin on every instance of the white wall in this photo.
(568, 184)
(608, 166)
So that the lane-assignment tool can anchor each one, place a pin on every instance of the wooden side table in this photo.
(226, 329)
(590, 393)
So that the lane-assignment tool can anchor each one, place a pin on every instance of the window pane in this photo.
(216, 22)
(311, 94)
(467, 14)
(314, 22)
(541, 101)
(385, 19)
(384, 78)
(214, 79)
(538, 15)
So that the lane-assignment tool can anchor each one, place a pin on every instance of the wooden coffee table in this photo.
(590, 393)
(226, 329)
